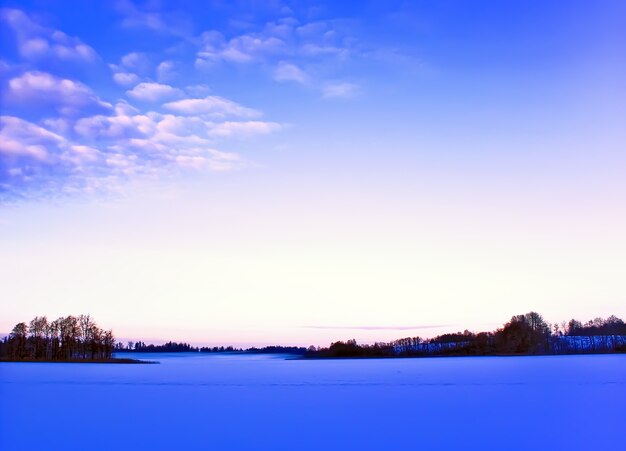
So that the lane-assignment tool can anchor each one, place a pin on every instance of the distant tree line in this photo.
(64, 339)
(610, 326)
(220, 349)
(171, 346)
(277, 350)
(527, 334)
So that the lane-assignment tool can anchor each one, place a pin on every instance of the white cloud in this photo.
(192, 161)
(10, 147)
(83, 154)
(154, 92)
(181, 125)
(105, 152)
(25, 130)
(125, 109)
(93, 146)
(121, 126)
(34, 47)
(210, 105)
(312, 29)
(36, 42)
(287, 45)
(163, 132)
(126, 73)
(283, 28)
(340, 90)
(290, 72)
(241, 49)
(135, 60)
(166, 71)
(277, 40)
(4, 66)
(60, 125)
(125, 78)
(171, 23)
(31, 155)
(250, 48)
(230, 128)
(211, 159)
(68, 96)
(20, 138)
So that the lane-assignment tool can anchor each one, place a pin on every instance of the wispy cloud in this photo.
(37, 42)
(166, 71)
(422, 326)
(340, 90)
(154, 92)
(210, 105)
(130, 65)
(288, 45)
(23, 139)
(150, 17)
(135, 61)
(69, 97)
(290, 72)
(243, 128)
(125, 78)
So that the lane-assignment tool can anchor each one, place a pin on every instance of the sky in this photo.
(250, 173)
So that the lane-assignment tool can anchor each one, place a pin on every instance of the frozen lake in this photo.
(226, 402)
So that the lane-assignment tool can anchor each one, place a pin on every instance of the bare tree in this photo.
(18, 335)
(85, 328)
(69, 336)
(38, 329)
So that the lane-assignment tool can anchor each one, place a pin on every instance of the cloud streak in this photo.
(340, 90)
(422, 326)
(210, 105)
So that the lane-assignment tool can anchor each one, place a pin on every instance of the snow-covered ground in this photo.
(230, 402)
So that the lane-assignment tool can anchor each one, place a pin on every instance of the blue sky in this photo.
(276, 171)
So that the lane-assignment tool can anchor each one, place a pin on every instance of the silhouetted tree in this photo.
(66, 338)
(523, 334)
(18, 341)
(38, 330)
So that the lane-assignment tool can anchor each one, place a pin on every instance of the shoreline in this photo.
(448, 356)
(104, 361)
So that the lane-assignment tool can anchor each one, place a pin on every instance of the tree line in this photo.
(64, 339)
(527, 334)
(172, 346)
(78, 338)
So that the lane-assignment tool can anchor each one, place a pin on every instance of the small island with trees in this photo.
(74, 339)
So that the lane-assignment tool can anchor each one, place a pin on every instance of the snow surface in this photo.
(232, 402)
